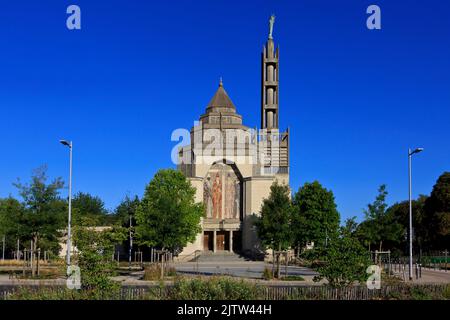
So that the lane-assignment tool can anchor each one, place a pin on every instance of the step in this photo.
(220, 256)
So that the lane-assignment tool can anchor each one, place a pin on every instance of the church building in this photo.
(232, 166)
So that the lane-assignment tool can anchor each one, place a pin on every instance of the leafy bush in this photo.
(343, 262)
(153, 272)
(61, 293)
(293, 278)
(267, 274)
(213, 289)
(418, 293)
(43, 293)
(95, 262)
(446, 292)
(230, 289)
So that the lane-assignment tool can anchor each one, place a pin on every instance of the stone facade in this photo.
(232, 166)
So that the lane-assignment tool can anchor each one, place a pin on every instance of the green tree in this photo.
(44, 211)
(371, 228)
(315, 216)
(400, 213)
(11, 214)
(89, 210)
(343, 262)
(274, 224)
(437, 209)
(350, 226)
(380, 225)
(168, 217)
(96, 248)
(126, 209)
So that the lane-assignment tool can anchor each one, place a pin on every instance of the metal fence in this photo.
(436, 261)
(439, 261)
(268, 292)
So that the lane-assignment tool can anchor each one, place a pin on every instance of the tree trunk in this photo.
(278, 261)
(379, 256)
(38, 258)
(162, 266)
(36, 253)
(32, 258)
(162, 263)
(273, 263)
(18, 250)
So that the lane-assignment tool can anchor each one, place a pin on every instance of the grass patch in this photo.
(267, 274)
(215, 288)
(292, 278)
(390, 280)
(62, 293)
(44, 273)
(226, 288)
(152, 272)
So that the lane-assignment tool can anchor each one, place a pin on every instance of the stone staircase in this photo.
(220, 256)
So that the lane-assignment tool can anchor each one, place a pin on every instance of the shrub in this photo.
(96, 265)
(343, 262)
(293, 278)
(61, 293)
(213, 289)
(267, 274)
(418, 293)
(446, 292)
(26, 293)
(153, 272)
(171, 272)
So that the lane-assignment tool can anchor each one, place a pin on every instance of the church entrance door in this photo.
(208, 240)
(220, 240)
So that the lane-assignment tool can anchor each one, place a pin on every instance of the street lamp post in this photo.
(3, 254)
(131, 246)
(69, 220)
(410, 153)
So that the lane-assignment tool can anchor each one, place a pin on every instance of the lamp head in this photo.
(417, 150)
(66, 143)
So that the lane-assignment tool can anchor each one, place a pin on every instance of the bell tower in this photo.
(274, 145)
(269, 82)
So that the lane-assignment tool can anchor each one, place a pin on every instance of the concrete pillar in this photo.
(214, 242)
(231, 240)
(270, 119)
(270, 96)
(270, 73)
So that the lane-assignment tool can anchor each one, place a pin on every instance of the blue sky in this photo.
(355, 99)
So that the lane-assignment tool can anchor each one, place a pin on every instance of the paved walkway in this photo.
(240, 269)
(244, 269)
(433, 276)
(428, 276)
(6, 280)
(252, 270)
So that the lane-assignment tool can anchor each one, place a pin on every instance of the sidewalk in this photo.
(5, 280)
(428, 276)
(433, 276)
